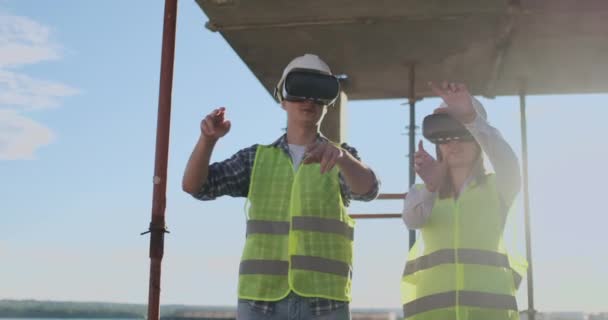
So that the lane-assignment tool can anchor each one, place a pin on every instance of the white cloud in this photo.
(23, 42)
(20, 90)
(21, 136)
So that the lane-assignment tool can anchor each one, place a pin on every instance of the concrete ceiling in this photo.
(494, 46)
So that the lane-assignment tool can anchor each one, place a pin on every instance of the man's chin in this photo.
(309, 118)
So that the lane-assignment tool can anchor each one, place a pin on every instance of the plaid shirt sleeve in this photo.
(347, 194)
(229, 177)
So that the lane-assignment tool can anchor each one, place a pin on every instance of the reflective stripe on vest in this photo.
(267, 227)
(464, 298)
(269, 267)
(323, 225)
(301, 223)
(321, 265)
(468, 256)
(281, 268)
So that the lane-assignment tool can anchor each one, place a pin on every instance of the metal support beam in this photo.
(524, 148)
(412, 136)
(157, 225)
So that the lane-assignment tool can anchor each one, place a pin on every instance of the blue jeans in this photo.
(293, 307)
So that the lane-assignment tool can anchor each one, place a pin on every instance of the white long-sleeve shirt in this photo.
(418, 203)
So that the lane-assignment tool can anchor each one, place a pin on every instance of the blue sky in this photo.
(78, 100)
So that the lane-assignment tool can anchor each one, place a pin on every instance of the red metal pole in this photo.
(157, 225)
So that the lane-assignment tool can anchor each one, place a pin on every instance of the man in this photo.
(297, 260)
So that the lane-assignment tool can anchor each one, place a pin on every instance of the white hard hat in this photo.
(307, 61)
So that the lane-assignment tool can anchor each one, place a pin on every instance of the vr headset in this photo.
(441, 128)
(308, 84)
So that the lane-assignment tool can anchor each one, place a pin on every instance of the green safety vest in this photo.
(299, 235)
(459, 268)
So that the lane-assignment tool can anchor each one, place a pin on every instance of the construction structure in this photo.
(391, 49)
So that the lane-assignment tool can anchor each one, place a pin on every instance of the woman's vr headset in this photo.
(308, 84)
(440, 128)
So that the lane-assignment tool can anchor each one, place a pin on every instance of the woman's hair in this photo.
(446, 189)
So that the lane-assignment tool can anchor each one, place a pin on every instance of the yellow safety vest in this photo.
(299, 235)
(459, 268)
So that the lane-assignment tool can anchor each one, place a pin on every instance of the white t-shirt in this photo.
(297, 153)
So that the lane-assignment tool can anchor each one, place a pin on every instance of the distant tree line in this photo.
(52, 309)
(100, 310)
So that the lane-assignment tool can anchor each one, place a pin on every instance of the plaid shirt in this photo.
(232, 177)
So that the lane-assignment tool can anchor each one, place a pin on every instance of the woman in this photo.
(459, 268)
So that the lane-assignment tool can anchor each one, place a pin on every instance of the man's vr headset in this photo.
(440, 128)
(308, 84)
